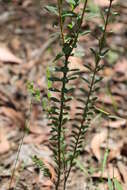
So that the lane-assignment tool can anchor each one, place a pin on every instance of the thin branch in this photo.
(60, 19)
(18, 151)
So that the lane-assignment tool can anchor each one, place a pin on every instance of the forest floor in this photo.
(27, 48)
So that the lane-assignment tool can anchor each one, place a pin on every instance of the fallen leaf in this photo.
(35, 129)
(111, 172)
(118, 123)
(123, 171)
(121, 66)
(96, 142)
(4, 144)
(124, 149)
(36, 139)
(102, 3)
(51, 170)
(7, 56)
(115, 152)
(13, 115)
(76, 63)
(15, 43)
(109, 100)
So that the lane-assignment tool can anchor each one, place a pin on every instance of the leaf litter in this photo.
(24, 55)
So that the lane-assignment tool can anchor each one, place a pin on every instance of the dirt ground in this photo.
(27, 47)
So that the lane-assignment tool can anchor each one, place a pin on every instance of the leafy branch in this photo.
(58, 114)
(83, 128)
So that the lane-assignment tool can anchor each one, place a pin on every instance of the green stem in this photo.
(89, 95)
(63, 87)
(79, 134)
(60, 19)
(60, 123)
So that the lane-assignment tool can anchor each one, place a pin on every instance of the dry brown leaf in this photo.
(7, 56)
(46, 182)
(4, 144)
(124, 186)
(15, 43)
(118, 123)
(108, 99)
(123, 171)
(51, 169)
(121, 66)
(76, 63)
(102, 3)
(113, 154)
(35, 129)
(108, 172)
(124, 149)
(96, 142)
(36, 139)
(12, 114)
(108, 72)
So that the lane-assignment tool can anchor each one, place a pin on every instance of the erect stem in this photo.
(89, 95)
(62, 96)
(64, 86)
(79, 134)
(60, 124)
(60, 19)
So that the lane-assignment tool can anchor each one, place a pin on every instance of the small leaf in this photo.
(88, 67)
(85, 32)
(58, 56)
(30, 87)
(67, 49)
(54, 99)
(54, 79)
(72, 2)
(52, 9)
(101, 111)
(86, 80)
(54, 89)
(68, 14)
(37, 94)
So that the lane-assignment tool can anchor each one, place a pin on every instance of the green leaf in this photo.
(49, 83)
(52, 9)
(37, 94)
(54, 99)
(88, 67)
(117, 184)
(101, 111)
(40, 164)
(98, 80)
(86, 80)
(30, 87)
(72, 2)
(104, 161)
(58, 56)
(67, 49)
(110, 184)
(85, 32)
(68, 14)
(103, 53)
(54, 79)
(72, 78)
(44, 103)
(54, 89)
